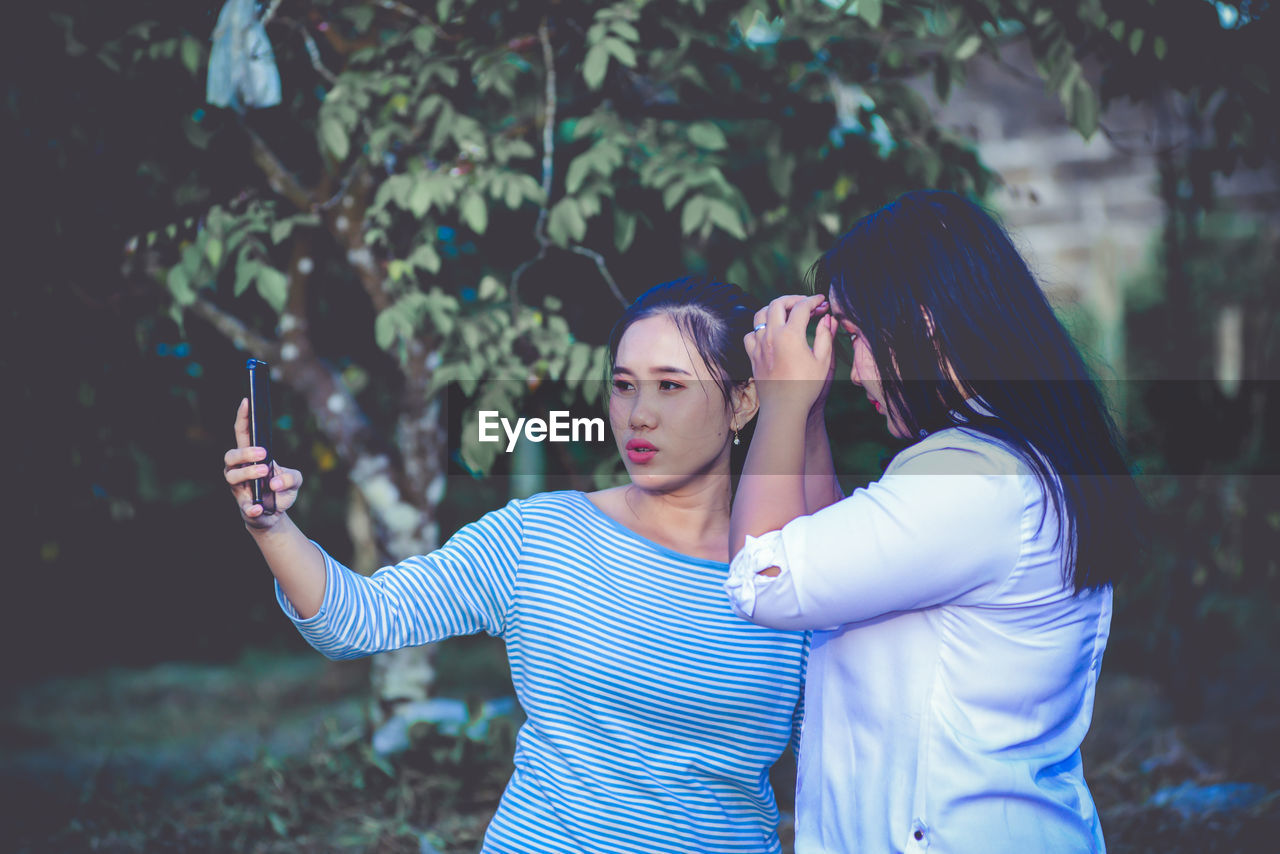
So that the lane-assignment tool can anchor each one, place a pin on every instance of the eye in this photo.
(622, 385)
(669, 385)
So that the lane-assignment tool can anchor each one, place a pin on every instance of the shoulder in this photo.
(564, 506)
(958, 450)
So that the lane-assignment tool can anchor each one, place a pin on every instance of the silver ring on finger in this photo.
(759, 326)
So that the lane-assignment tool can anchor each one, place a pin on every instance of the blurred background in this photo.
(418, 209)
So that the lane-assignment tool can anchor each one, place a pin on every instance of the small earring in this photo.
(736, 440)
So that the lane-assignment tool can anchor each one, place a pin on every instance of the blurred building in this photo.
(1086, 214)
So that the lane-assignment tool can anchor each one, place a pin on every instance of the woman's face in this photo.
(864, 372)
(667, 412)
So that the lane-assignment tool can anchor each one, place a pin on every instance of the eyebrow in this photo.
(661, 369)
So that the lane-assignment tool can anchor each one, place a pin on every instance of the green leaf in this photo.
(281, 229)
(385, 327)
(180, 286)
(626, 31)
(968, 47)
(273, 286)
(424, 38)
(475, 213)
(1084, 108)
(334, 137)
(621, 51)
(595, 66)
(624, 229)
(578, 171)
(246, 272)
(565, 222)
(213, 251)
(531, 189)
(781, 168)
(674, 192)
(577, 363)
(512, 195)
(1160, 46)
(1067, 86)
(707, 135)
(694, 214)
(191, 54)
(1135, 41)
(870, 11)
(722, 214)
(191, 260)
(361, 17)
(426, 257)
(419, 200)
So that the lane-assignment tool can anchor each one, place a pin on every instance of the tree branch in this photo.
(548, 160)
(548, 157)
(313, 51)
(604, 271)
(409, 11)
(235, 331)
(278, 175)
(271, 12)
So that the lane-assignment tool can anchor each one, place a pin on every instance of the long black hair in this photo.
(714, 317)
(932, 279)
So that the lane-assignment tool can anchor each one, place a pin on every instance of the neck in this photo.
(702, 505)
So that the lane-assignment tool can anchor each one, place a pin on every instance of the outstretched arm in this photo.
(295, 562)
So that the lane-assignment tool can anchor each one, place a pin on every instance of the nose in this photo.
(643, 414)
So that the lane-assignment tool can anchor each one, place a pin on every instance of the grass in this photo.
(271, 755)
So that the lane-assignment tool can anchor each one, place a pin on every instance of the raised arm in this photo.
(295, 562)
(821, 489)
(789, 462)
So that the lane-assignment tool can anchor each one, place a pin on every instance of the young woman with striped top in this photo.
(653, 713)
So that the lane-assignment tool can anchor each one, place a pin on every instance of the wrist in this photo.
(265, 528)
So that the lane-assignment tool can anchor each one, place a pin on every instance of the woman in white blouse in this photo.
(962, 602)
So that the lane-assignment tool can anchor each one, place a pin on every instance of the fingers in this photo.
(243, 474)
(243, 456)
(285, 480)
(802, 310)
(242, 424)
(782, 310)
(823, 339)
(776, 312)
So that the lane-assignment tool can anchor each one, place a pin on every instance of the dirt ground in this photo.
(82, 757)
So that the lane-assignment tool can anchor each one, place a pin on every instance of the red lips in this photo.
(640, 450)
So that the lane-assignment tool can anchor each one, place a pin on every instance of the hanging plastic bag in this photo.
(242, 65)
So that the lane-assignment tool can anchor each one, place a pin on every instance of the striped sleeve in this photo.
(465, 586)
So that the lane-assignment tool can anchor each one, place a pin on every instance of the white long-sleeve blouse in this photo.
(952, 672)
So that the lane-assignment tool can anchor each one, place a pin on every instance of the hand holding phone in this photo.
(260, 430)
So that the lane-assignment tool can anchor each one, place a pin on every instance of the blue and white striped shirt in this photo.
(653, 713)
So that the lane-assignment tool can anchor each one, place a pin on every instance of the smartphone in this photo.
(260, 430)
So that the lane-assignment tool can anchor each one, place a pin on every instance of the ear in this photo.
(746, 403)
